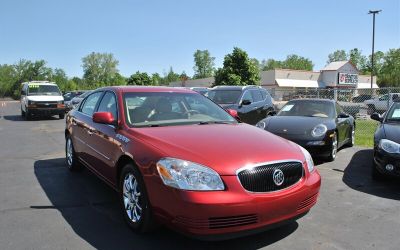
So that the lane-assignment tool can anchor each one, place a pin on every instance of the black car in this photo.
(387, 144)
(252, 103)
(320, 126)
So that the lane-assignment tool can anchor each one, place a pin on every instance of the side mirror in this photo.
(104, 118)
(343, 115)
(245, 102)
(376, 117)
(234, 114)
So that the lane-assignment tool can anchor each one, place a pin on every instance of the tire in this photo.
(27, 115)
(375, 174)
(352, 136)
(22, 113)
(334, 148)
(134, 201)
(61, 116)
(71, 160)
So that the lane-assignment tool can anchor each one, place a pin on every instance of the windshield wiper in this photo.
(213, 122)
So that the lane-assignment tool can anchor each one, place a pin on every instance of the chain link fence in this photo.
(360, 103)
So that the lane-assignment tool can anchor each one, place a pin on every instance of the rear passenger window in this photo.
(90, 103)
(109, 104)
(256, 94)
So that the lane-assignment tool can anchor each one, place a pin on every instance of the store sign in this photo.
(349, 79)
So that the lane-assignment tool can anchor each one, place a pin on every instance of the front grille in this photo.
(232, 221)
(308, 202)
(216, 222)
(260, 178)
(46, 104)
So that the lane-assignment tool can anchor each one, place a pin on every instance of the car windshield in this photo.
(224, 96)
(394, 113)
(153, 109)
(70, 95)
(85, 94)
(34, 89)
(308, 108)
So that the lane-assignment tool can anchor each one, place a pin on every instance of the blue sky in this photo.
(151, 36)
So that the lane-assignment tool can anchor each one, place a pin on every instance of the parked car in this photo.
(319, 125)
(361, 98)
(201, 90)
(387, 144)
(381, 103)
(198, 171)
(69, 96)
(77, 99)
(41, 98)
(252, 103)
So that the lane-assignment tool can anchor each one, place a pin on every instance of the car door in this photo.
(105, 147)
(343, 125)
(259, 109)
(82, 127)
(245, 111)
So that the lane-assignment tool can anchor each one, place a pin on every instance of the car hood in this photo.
(45, 98)
(222, 147)
(293, 125)
(392, 132)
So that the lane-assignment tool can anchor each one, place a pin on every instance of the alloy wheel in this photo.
(70, 152)
(353, 136)
(334, 146)
(132, 198)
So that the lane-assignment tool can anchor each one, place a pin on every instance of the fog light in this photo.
(389, 167)
(316, 143)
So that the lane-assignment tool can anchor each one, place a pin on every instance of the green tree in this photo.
(7, 79)
(60, 78)
(171, 76)
(271, 64)
(203, 64)
(358, 59)
(156, 79)
(139, 79)
(389, 73)
(99, 68)
(298, 63)
(238, 69)
(337, 55)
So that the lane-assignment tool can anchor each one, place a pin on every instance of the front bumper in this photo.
(46, 111)
(316, 147)
(233, 212)
(382, 158)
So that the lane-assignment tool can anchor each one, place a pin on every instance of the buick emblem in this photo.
(278, 177)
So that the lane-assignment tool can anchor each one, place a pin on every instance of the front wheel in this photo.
(27, 115)
(352, 137)
(134, 200)
(334, 148)
(70, 156)
(22, 113)
(61, 116)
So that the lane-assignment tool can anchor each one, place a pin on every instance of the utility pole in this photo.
(373, 12)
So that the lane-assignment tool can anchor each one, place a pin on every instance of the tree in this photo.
(389, 74)
(156, 79)
(139, 79)
(7, 80)
(60, 78)
(237, 69)
(99, 68)
(358, 59)
(298, 63)
(271, 64)
(338, 55)
(171, 76)
(203, 64)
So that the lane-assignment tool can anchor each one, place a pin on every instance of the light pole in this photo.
(373, 12)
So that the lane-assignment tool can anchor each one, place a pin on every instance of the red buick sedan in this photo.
(178, 159)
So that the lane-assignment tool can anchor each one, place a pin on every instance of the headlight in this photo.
(261, 125)
(389, 146)
(319, 130)
(188, 175)
(309, 160)
(31, 102)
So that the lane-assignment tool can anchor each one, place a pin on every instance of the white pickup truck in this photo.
(381, 103)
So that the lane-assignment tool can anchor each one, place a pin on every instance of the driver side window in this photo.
(247, 96)
(90, 103)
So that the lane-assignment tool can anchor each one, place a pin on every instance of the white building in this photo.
(342, 74)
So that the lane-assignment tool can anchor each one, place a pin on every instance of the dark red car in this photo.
(178, 159)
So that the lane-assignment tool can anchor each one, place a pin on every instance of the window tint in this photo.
(109, 104)
(256, 94)
(90, 103)
(247, 96)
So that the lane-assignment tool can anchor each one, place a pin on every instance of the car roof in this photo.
(128, 89)
(313, 99)
(235, 87)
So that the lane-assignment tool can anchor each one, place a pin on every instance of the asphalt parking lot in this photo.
(44, 206)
